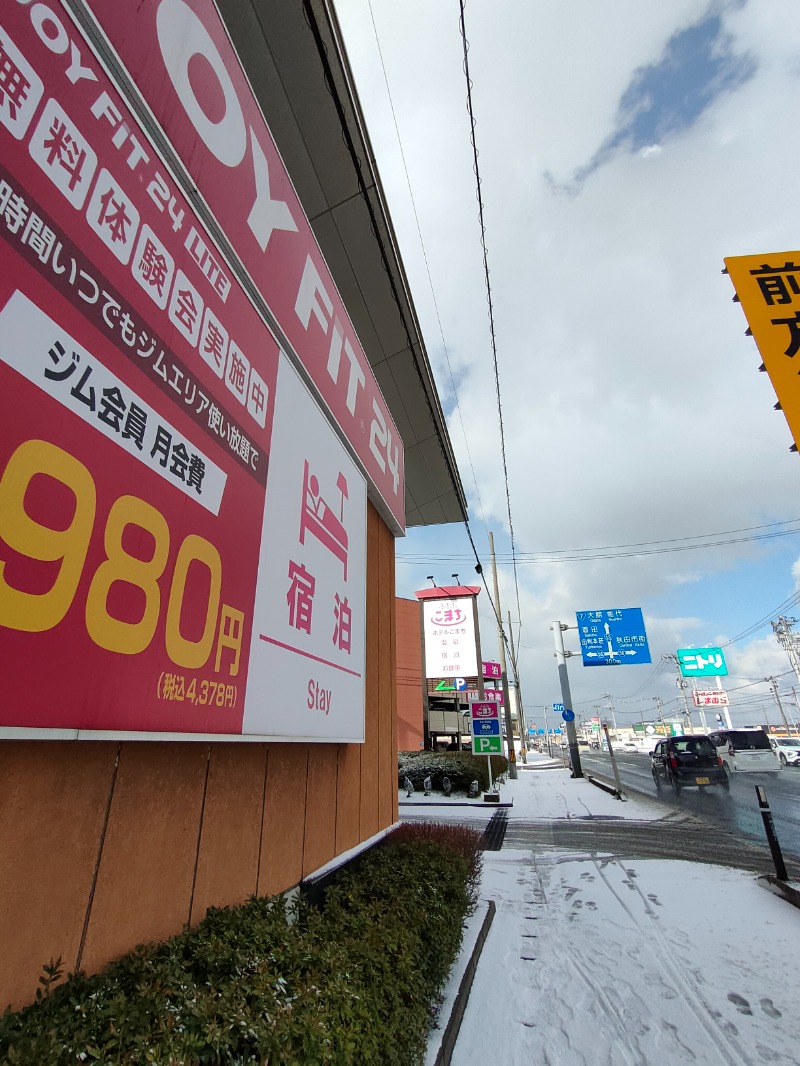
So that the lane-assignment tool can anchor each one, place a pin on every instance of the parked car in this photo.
(687, 761)
(744, 749)
(787, 749)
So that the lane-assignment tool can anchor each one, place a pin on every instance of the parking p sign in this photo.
(486, 736)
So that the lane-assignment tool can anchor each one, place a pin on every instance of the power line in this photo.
(476, 169)
(596, 554)
(427, 264)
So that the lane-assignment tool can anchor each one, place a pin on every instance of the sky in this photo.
(624, 150)
(595, 959)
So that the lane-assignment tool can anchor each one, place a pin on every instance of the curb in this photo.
(783, 889)
(612, 791)
(449, 1034)
(476, 804)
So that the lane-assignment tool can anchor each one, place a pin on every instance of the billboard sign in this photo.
(182, 530)
(702, 662)
(713, 697)
(492, 670)
(613, 637)
(182, 61)
(768, 288)
(449, 632)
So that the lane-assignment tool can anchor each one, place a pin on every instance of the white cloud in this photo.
(633, 407)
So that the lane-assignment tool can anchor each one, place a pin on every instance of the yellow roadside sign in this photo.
(768, 287)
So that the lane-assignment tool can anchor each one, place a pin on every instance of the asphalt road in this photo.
(736, 812)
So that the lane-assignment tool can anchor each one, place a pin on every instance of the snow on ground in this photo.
(593, 960)
(540, 792)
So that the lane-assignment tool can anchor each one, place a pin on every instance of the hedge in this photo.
(461, 767)
(350, 983)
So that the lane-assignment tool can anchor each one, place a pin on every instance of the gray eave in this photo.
(281, 45)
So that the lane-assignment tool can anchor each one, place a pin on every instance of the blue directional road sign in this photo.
(487, 727)
(568, 716)
(613, 638)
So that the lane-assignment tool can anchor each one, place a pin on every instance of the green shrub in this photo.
(461, 767)
(352, 982)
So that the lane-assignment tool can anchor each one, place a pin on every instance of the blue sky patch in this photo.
(697, 65)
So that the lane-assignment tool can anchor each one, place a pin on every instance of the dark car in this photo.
(690, 761)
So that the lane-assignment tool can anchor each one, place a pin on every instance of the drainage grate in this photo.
(495, 832)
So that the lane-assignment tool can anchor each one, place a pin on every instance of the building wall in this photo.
(104, 845)
(409, 675)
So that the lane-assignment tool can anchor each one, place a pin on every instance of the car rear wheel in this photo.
(657, 781)
(783, 760)
(726, 784)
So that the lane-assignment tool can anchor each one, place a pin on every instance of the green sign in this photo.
(487, 745)
(702, 662)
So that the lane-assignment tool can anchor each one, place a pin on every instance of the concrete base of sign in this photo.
(788, 890)
(491, 797)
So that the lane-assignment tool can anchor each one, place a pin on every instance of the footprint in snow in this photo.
(571, 892)
(577, 904)
(587, 877)
(769, 1008)
(654, 899)
(740, 1003)
(766, 1054)
(591, 905)
(630, 885)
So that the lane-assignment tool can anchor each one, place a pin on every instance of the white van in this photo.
(744, 749)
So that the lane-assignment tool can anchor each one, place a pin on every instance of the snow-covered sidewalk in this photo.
(596, 960)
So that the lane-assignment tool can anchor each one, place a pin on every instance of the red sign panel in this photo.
(484, 710)
(490, 695)
(182, 61)
(137, 390)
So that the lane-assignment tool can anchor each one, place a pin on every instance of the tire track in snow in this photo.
(687, 987)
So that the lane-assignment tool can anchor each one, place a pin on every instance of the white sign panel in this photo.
(713, 697)
(309, 618)
(449, 627)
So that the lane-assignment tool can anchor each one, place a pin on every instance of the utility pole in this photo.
(682, 686)
(788, 640)
(546, 731)
(659, 702)
(566, 696)
(774, 685)
(610, 698)
(523, 732)
(512, 757)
